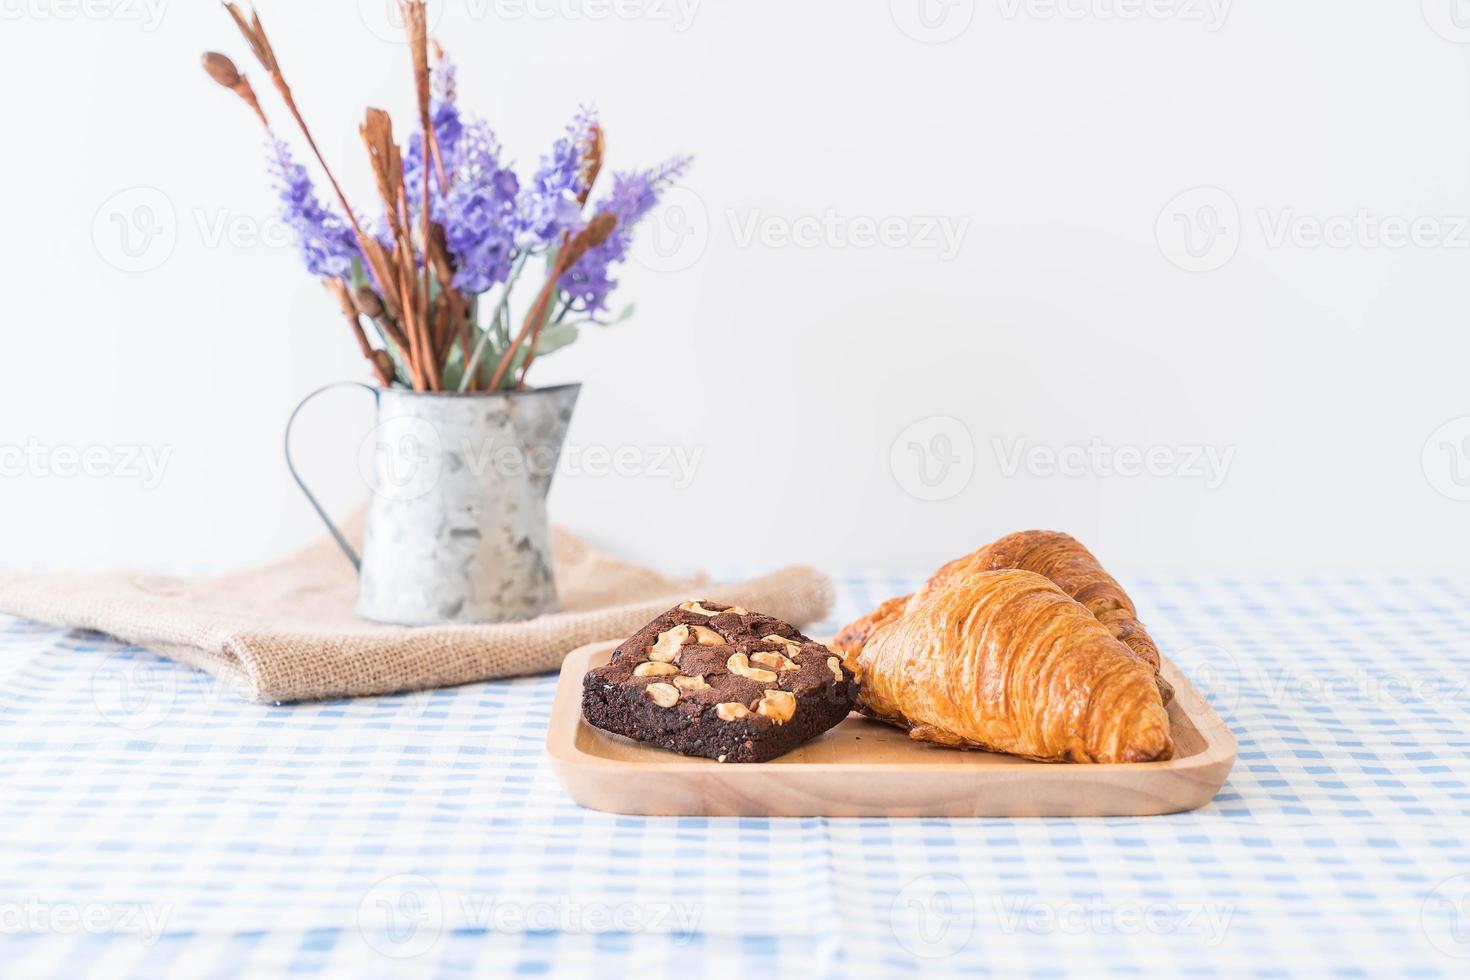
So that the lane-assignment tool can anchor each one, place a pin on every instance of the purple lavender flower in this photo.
(551, 202)
(479, 214)
(633, 195)
(448, 130)
(443, 80)
(327, 244)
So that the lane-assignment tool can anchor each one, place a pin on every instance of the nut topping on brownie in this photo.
(721, 682)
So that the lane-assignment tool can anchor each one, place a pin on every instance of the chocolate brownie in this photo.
(721, 682)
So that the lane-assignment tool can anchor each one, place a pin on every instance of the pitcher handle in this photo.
(291, 465)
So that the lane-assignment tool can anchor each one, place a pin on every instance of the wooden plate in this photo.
(863, 768)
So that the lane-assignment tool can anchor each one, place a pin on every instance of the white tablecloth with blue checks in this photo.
(152, 824)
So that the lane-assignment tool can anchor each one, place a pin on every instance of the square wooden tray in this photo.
(863, 768)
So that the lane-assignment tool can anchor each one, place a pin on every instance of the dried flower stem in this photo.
(223, 71)
(591, 162)
(370, 305)
(387, 167)
(438, 53)
(502, 315)
(592, 155)
(374, 254)
(254, 33)
(386, 371)
(593, 234)
(415, 26)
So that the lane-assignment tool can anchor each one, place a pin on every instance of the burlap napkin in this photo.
(287, 632)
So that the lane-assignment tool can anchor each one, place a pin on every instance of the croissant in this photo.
(1005, 660)
(1052, 554)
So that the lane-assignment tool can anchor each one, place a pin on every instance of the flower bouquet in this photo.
(431, 275)
(425, 285)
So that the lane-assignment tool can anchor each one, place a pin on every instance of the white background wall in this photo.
(1058, 142)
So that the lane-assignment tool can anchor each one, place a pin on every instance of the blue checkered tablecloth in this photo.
(152, 824)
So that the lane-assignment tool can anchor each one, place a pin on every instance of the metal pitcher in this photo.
(456, 528)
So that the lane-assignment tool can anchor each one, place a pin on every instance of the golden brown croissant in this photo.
(1006, 660)
(1052, 554)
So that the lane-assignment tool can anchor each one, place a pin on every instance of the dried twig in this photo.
(591, 162)
(416, 27)
(223, 71)
(401, 300)
(594, 233)
(387, 167)
(370, 305)
(438, 54)
(383, 364)
(373, 253)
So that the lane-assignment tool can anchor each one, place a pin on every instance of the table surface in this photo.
(152, 824)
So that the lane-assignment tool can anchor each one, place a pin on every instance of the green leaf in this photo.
(555, 337)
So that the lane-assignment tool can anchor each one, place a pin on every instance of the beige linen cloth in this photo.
(287, 632)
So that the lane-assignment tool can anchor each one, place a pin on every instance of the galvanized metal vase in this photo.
(456, 528)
